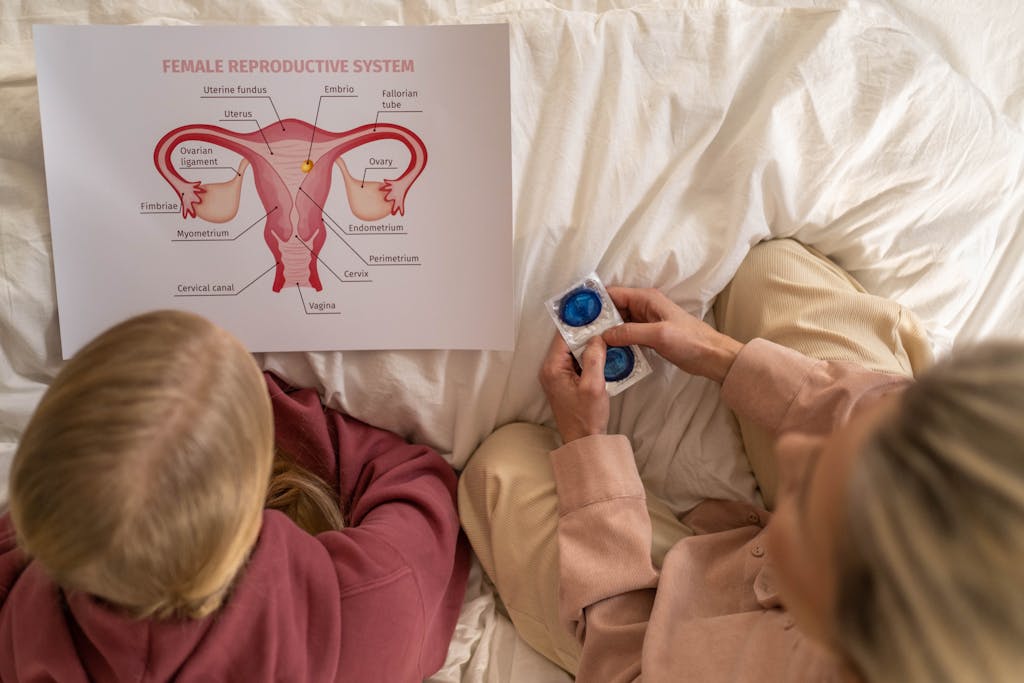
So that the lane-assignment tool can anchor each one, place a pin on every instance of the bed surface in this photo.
(653, 143)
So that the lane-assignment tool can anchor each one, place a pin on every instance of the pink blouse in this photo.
(712, 612)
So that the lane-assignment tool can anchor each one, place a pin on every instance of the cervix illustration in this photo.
(291, 162)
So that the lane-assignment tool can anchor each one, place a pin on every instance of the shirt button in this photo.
(753, 518)
(757, 551)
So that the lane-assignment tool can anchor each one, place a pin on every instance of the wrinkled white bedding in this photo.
(654, 143)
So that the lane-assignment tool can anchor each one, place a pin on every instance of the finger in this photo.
(592, 363)
(644, 334)
(642, 305)
(620, 296)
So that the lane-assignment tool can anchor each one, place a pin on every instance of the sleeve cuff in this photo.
(764, 380)
(595, 468)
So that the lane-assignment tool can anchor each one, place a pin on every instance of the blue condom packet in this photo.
(584, 311)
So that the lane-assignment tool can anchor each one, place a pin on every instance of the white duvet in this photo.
(653, 144)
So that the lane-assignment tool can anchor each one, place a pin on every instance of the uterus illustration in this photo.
(291, 162)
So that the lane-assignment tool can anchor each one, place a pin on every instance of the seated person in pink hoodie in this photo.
(894, 552)
(139, 544)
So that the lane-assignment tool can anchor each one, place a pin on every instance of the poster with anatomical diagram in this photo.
(307, 188)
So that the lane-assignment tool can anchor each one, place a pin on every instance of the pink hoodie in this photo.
(377, 601)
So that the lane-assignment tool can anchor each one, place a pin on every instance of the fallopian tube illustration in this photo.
(291, 162)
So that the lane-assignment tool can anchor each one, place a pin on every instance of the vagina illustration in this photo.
(291, 162)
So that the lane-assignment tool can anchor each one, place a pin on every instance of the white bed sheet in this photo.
(654, 143)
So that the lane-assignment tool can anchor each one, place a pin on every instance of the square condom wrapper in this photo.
(585, 310)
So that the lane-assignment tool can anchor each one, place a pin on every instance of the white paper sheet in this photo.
(306, 188)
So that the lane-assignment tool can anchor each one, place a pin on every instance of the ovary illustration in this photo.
(291, 162)
(219, 203)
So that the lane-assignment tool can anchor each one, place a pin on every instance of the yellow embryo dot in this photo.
(307, 165)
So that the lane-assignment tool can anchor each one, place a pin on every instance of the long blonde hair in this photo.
(931, 579)
(303, 496)
(141, 476)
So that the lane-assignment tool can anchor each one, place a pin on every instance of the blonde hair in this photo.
(141, 476)
(931, 579)
(303, 496)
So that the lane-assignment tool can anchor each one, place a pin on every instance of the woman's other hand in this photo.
(579, 401)
(653, 320)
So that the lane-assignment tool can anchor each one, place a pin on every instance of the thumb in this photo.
(592, 364)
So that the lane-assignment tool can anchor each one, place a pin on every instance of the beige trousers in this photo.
(783, 292)
(509, 510)
(793, 295)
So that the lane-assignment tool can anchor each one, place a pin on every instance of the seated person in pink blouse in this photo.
(175, 514)
(894, 551)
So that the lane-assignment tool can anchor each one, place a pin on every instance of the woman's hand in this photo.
(579, 401)
(653, 320)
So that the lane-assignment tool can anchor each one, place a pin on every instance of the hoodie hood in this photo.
(282, 621)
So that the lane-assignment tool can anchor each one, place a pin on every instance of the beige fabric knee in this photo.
(509, 509)
(795, 296)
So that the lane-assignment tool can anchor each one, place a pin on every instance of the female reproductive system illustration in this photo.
(291, 162)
